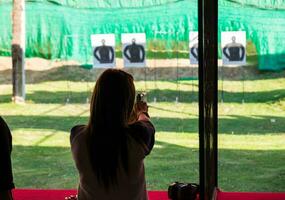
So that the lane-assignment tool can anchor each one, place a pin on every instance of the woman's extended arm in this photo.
(141, 109)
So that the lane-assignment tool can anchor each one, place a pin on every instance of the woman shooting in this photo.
(109, 151)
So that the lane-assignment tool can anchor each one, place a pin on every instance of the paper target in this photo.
(234, 48)
(193, 47)
(103, 46)
(133, 49)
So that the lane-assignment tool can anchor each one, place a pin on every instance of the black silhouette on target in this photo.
(194, 51)
(135, 53)
(234, 51)
(104, 54)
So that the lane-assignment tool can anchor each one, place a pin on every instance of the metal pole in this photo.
(145, 79)
(154, 57)
(243, 79)
(208, 82)
(222, 92)
(18, 51)
(177, 70)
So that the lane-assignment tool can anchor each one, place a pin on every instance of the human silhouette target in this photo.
(134, 49)
(103, 50)
(104, 54)
(193, 47)
(234, 48)
(135, 53)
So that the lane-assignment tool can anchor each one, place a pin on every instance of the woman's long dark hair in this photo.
(110, 110)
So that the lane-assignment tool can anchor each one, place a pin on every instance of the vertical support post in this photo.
(18, 51)
(208, 82)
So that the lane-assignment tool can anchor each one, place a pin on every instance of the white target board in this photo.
(133, 49)
(234, 48)
(193, 47)
(103, 46)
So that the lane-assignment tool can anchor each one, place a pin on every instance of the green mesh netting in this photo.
(62, 28)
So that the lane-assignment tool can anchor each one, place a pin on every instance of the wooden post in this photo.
(18, 51)
(208, 107)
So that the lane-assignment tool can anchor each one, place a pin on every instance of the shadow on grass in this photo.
(231, 97)
(57, 123)
(239, 125)
(43, 167)
(251, 170)
(239, 170)
(166, 95)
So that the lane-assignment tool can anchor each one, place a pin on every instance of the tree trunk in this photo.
(18, 51)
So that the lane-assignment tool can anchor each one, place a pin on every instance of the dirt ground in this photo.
(158, 69)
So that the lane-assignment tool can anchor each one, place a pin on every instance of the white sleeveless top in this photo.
(131, 186)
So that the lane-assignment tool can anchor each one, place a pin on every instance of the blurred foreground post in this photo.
(18, 51)
(208, 97)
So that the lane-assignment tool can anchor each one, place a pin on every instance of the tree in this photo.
(18, 51)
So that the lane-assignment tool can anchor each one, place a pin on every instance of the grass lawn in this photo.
(251, 134)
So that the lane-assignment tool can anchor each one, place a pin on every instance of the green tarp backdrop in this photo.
(61, 29)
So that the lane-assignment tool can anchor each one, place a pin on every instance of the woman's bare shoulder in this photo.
(75, 131)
